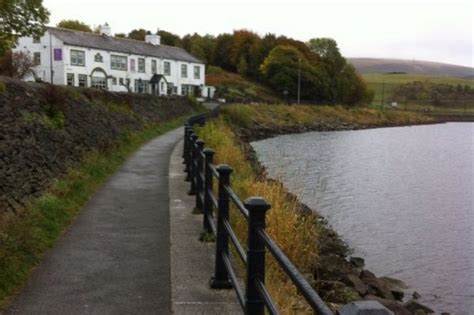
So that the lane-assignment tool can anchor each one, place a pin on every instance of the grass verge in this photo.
(25, 237)
(296, 234)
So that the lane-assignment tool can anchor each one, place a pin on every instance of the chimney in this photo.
(153, 39)
(105, 30)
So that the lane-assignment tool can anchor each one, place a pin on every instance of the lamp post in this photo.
(299, 81)
(285, 93)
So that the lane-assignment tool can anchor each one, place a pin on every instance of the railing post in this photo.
(185, 144)
(257, 208)
(208, 182)
(198, 172)
(221, 278)
(192, 165)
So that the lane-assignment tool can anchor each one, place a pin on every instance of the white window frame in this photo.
(118, 62)
(78, 58)
(197, 72)
(184, 70)
(141, 65)
(99, 83)
(82, 83)
(167, 68)
(70, 79)
(37, 58)
(154, 67)
(98, 57)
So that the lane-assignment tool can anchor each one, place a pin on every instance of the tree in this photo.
(120, 35)
(170, 39)
(280, 71)
(17, 65)
(75, 25)
(243, 52)
(20, 18)
(138, 34)
(221, 55)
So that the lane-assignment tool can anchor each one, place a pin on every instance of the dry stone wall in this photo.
(44, 130)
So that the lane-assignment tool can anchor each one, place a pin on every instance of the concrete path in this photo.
(115, 258)
(192, 261)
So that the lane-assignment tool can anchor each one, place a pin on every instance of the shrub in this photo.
(17, 65)
(3, 88)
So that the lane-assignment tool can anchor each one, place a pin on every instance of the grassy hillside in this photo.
(235, 88)
(380, 65)
(387, 82)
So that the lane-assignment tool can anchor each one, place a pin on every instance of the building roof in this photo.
(123, 45)
(156, 78)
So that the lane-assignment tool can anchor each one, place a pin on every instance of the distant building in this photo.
(67, 57)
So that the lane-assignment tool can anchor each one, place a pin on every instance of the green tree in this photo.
(120, 35)
(138, 34)
(221, 55)
(20, 18)
(75, 25)
(170, 39)
(280, 71)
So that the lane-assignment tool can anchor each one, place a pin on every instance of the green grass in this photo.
(375, 81)
(25, 237)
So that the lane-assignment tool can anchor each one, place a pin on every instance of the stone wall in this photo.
(45, 129)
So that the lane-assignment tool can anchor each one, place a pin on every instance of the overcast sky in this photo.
(435, 30)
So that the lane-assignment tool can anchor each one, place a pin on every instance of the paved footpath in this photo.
(115, 258)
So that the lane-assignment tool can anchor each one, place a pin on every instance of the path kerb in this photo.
(192, 261)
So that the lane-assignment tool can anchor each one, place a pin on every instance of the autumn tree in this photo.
(200, 46)
(120, 35)
(75, 25)
(243, 52)
(20, 18)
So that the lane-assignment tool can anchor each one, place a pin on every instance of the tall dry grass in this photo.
(296, 234)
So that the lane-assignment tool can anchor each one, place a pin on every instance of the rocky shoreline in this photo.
(339, 277)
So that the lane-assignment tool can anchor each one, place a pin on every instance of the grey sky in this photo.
(436, 30)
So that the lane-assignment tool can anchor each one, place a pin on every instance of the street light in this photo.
(299, 81)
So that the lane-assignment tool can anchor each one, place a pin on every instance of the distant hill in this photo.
(377, 65)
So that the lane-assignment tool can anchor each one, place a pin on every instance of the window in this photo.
(167, 68)
(121, 81)
(141, 86)
(197, 72)
(70, 79)
(187, 89)
(37, 58)
(36, 40)
(153, 67)
(114, 81)
(82, 80)
(98, 58)
(141, 64)
(184, 71)
(118, 62)
(78, 58)
(132, 64)
(162, 86)
(99, 83)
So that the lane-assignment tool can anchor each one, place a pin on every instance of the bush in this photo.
(3, 88)
(18, 65)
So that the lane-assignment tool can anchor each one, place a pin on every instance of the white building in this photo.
(67, 57)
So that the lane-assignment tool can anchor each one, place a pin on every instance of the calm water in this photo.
(401, 197)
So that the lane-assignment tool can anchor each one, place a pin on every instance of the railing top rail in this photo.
(297, 278)
(236, 200)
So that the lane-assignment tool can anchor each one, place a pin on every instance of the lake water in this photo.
(401, 197)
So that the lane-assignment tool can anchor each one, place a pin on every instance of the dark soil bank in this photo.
(45, 129)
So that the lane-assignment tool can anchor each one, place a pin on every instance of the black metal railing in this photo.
(254, 298)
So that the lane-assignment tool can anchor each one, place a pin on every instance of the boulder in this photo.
(377, 285)
(392, 305)
(414, 306)
(358, 262)
(354, 281)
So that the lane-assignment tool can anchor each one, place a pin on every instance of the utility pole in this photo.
(299, 80)
(383, 91)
